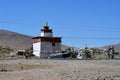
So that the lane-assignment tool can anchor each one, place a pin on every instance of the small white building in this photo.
(46, 44)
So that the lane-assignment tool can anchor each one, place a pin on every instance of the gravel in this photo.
(60, 69)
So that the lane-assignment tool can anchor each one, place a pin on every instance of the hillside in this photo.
(15, 40)
(116, 47)
(21, 41)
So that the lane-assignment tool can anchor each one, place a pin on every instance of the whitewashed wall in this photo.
(36, 48)
(45, 49)
(44, 34)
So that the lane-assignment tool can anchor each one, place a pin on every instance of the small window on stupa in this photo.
(53, 44)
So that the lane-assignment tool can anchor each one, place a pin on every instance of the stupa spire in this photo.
(46, 24)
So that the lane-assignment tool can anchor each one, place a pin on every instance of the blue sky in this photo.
(78, 22)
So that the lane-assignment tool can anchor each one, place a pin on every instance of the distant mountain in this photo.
(17, 41)
(20, 41)
(64, 47)
(116, 47)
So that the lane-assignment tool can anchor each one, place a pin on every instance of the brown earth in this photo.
(60, 70)
(16, 40)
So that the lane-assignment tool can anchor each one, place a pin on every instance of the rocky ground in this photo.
(59, 69)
